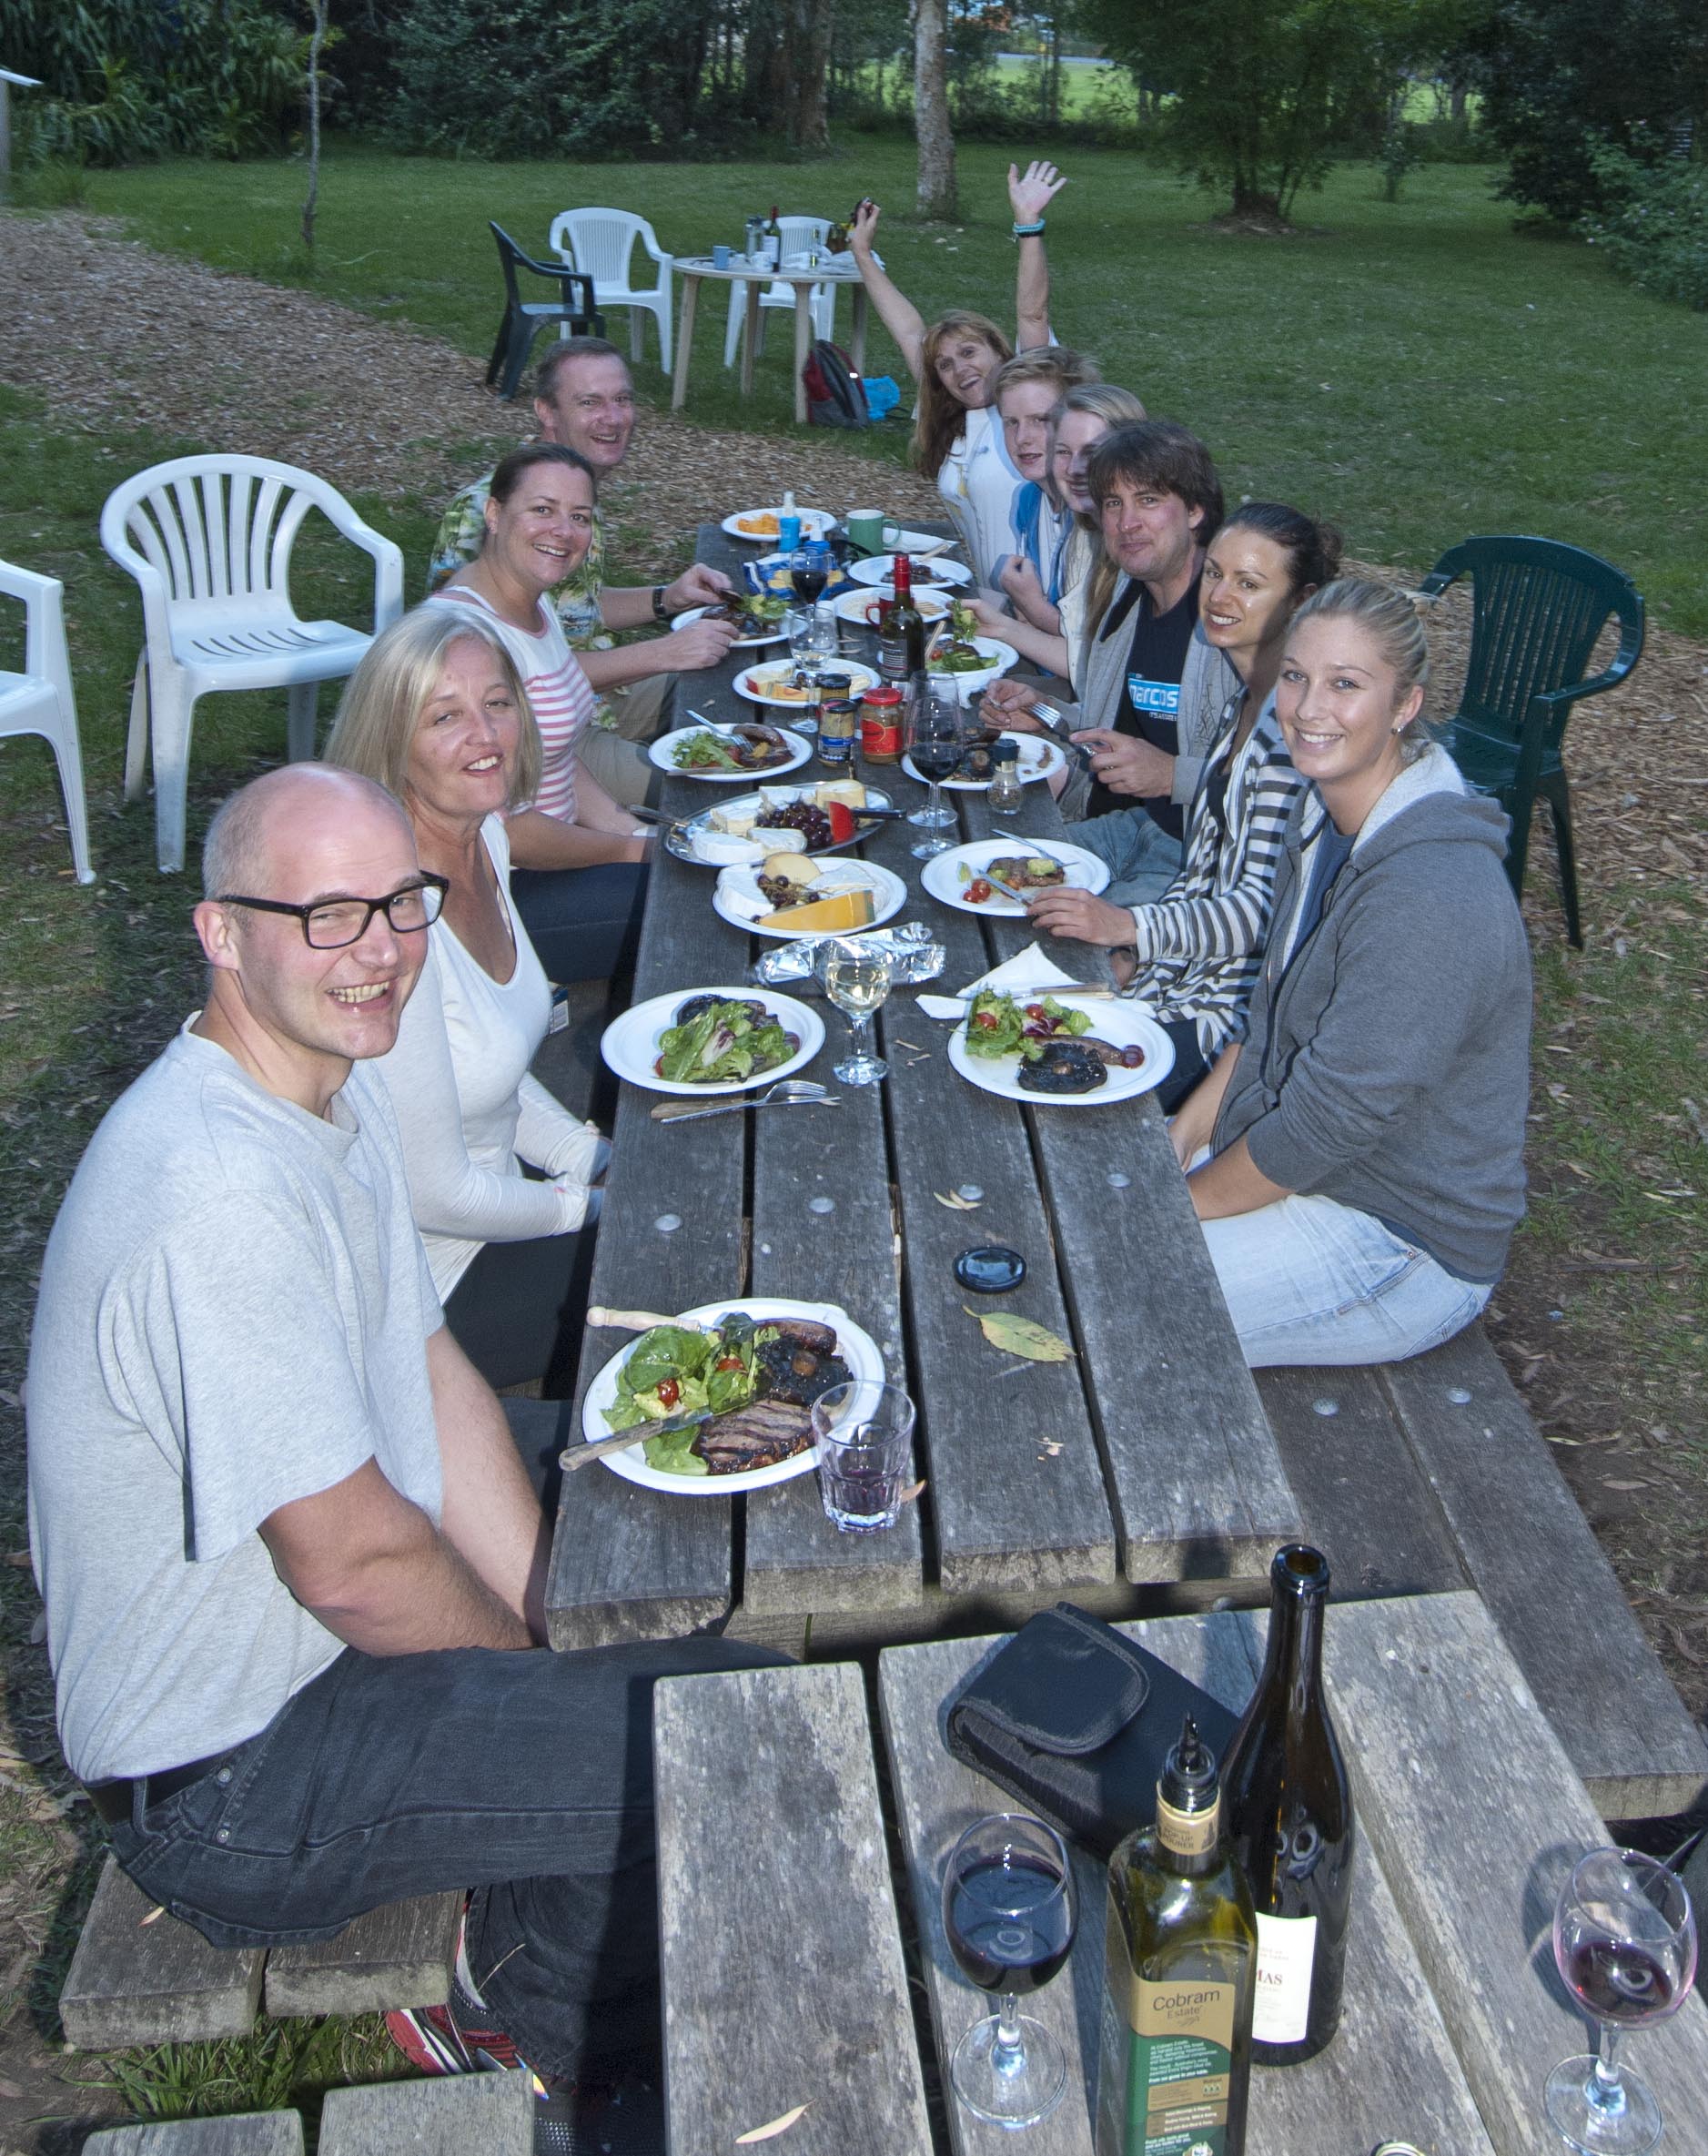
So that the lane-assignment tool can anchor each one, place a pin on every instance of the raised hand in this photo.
(862, 226)
(1031, 192)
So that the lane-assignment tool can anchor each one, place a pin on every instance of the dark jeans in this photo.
(511, 1310)
(1190, 1066)
(528, 1776)
(585, 923)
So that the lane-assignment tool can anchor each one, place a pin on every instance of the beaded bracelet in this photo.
(1028, 232)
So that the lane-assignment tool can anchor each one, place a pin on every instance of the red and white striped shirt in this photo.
(559, 695)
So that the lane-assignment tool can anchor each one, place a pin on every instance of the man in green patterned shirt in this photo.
(584, 397)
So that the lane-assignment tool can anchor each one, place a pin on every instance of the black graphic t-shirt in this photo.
(1151, 707)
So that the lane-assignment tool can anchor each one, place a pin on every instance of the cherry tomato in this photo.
(985, 1020)
(668, 1393)
(1036, 1010)
(658, 1067)
(729, 1362)
(977, 891)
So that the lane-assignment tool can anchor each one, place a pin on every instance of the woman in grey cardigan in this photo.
(1358, 1164)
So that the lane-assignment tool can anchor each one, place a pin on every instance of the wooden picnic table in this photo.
(1146, 1462)
(771, 1840)
(693, 269)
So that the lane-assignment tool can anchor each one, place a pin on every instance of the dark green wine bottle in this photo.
(1290, 1818)
(1181, 1950)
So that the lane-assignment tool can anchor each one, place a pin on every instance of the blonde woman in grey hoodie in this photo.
(1358, 1163)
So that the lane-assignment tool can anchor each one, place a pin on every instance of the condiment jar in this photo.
(1005, 791)
(880, 723)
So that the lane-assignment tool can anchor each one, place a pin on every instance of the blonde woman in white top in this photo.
(958, 437)
(436, 712)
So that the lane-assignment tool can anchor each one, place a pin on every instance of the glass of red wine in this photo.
(809, 570)
(1009, 1912)
(1625, 1940)
(936, 742)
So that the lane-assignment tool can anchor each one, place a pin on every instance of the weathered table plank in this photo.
(493, 2113)
(1476, 1815)
(1363, 1499)
(397, 1957)
(1600, 1684)
(1008, 1511)
(135, 1980)
(246, 2133)
(1390, 2070)
(626, 1562)
(782, 1971)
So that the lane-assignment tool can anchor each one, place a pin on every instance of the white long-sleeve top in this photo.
(468, 1112)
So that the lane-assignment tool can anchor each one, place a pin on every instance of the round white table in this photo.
(801, 276)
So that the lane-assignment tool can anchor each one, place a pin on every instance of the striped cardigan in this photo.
(1199, 947)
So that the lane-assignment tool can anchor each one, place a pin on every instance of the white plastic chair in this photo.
(40, 700)
(600, 243)
(799, 234)
(208, 539)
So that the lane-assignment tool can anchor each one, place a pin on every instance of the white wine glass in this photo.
(798, 624)
(856, 978)
(1625, 1943)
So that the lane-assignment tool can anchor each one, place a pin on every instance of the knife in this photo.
(1055, 988)
(574, 1456)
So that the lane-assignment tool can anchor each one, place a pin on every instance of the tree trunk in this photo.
(1052, 76)
(315, 44)
(806, 39)
(937, 197)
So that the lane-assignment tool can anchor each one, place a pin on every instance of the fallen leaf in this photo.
(1607, 1485)
(773, 2126)
(1022, 1336)
(153, 1916)
(955, 1203)
(913, 1491)
(10, 2090)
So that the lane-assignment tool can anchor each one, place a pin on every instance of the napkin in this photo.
(1029, 969)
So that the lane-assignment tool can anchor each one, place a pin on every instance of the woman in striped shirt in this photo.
(579, 878)
(1193, 954)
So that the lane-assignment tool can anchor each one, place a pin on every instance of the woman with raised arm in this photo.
(957, 439)
(1193, 954)
(539, 518)
(1358, 1163)
(436, 712)
(1047, 629)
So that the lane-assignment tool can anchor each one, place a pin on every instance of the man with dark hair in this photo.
(1153, 688)
(300, 1658)
(585, 399)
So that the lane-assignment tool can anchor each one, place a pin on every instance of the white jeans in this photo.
(1309, 1281)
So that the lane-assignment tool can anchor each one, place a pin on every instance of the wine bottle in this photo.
(1290, 1818)
(773, 241)
(1181, 1950)
(902, 634)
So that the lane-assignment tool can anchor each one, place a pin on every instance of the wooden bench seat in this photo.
(1430, 1476)
(460, 2115)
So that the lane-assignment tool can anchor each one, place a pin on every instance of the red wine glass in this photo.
(1626, 1942)
(1009, 1913)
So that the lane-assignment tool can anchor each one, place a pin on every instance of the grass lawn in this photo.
(1413, 370)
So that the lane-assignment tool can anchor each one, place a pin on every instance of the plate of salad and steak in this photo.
(1075, 1052)
(738, 1380)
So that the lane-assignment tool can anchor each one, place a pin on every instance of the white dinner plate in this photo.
(856, 1347)
(941, 878)
(629, 1044)
(815, 524)
(998, 658)
(1121, 1024)
(880, 569)
(678, 837)
(1040, 758)
(861, 607)
(741, 643)
(889, 895)
(751, 685)
(662, 755)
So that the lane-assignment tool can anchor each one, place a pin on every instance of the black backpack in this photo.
(835, 396)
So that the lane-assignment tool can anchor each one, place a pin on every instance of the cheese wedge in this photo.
(848, 791)
(824, 916)
(737, 822)
(783, 839)
(790, 866)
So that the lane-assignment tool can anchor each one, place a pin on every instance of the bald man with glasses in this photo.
(292, 1563)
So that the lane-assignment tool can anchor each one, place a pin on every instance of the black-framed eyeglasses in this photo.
(329, 924)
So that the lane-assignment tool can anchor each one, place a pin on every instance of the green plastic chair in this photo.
(1538, 607)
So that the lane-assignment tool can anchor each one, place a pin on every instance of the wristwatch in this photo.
(661, 613)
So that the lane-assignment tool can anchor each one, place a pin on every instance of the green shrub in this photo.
(1652, 225)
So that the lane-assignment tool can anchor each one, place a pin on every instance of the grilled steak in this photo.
(805, 1332)
(757, 1436)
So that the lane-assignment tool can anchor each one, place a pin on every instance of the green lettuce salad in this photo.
(998, 1026)
(681, 1370)
(725, 1042)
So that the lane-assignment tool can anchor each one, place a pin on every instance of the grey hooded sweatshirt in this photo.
(1387, 1065)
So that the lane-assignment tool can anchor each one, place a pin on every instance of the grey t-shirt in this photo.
(232, 1314)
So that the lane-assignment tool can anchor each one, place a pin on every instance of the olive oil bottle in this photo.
(1181, 1960)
